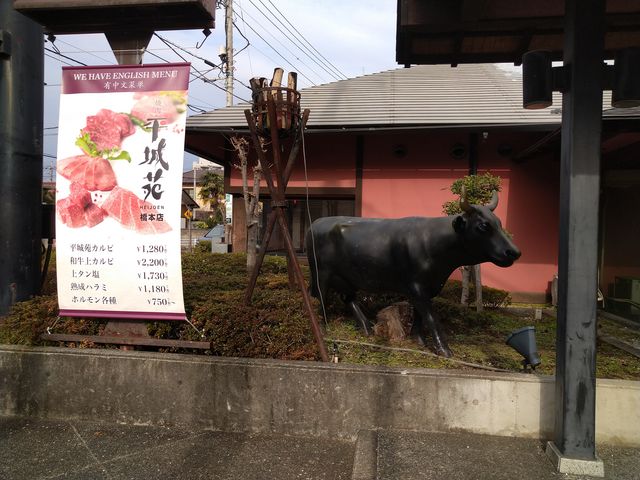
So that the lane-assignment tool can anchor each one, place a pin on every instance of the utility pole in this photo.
(21, 108)
(228, 25)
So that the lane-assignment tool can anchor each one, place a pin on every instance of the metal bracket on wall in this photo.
(5, 44)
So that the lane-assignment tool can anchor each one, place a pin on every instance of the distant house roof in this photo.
(420, 96)
(187, 177)
(187, 201)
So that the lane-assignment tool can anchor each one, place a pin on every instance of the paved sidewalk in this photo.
(39, 450)
(33, 449)
(413, 456)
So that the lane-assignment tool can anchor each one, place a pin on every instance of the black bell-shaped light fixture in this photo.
(626, 79)
(523, 341)
(537, 80)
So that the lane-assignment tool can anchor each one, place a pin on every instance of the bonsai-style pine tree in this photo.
(478, 190)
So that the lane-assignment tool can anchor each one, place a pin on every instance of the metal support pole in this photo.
(228, 26)
(575, 393)
(128, 48)
(21, 109)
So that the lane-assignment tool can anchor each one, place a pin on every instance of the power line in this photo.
(305, 49)
(279, 54)
(65, 56)
(309, 43)
(202, 77)
(200, 74)
(314, 58)
(195, 108)
(274, 37)
(170, 44)
(243, 36)
(174, 50)
(195, 77)
(198, 78)
(212, 82)
(59, 60)
(241, 83)
(84, 51)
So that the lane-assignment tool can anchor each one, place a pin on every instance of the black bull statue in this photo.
(411, 256)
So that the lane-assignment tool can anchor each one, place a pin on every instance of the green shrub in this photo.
(491, 297)
(203, 246)
(28, 320)
(275, 325)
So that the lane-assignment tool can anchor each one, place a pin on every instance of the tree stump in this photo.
(394, 322)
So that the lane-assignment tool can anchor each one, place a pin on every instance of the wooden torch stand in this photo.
(277, 190)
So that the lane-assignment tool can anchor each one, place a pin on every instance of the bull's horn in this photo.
(464, 203)
(494, 201)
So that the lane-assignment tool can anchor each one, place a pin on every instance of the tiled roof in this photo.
(420, 96)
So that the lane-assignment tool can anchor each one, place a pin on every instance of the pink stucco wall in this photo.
(330, 163)
(418, 184)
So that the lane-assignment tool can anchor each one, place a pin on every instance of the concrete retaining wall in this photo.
(301, 398)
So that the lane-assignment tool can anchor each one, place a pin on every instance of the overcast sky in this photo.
(353, 37)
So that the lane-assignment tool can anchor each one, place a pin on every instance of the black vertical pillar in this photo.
(21, 109)
(578, 253)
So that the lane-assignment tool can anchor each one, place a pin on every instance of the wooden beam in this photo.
(616, 342)
(116, 340)
(618, 141)
(535, 147)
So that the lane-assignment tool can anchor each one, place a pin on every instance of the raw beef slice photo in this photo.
(156, 107)
(77, 210)
(92, 173)
(107, 129)
(124, 206)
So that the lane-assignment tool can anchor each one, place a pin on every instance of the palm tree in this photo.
(212, 193)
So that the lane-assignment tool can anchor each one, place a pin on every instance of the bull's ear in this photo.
(459, 223)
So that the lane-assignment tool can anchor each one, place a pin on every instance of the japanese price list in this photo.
(153, 274)
(88, 264)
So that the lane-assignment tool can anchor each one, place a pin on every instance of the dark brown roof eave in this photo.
(393, 128)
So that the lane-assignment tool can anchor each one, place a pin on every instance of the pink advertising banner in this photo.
(119, 190)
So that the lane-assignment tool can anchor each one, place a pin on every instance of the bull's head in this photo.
(483, 234)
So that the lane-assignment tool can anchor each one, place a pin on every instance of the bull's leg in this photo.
(360, 316)
(417, 330)
(424, 309)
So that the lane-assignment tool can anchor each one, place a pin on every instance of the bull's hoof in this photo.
(419, 339)
(443, 351)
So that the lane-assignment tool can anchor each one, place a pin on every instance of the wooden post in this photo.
(277, 191)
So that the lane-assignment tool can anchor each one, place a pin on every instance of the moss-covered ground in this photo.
(275, 325)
